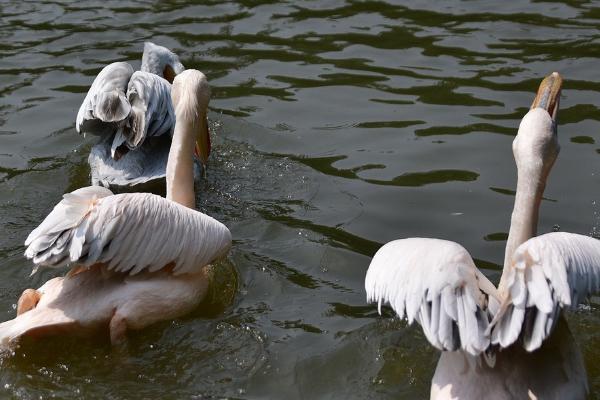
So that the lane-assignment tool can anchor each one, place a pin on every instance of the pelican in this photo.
(508, 342)
(133, 114)
(136, 258)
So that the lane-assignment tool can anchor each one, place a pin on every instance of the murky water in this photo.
(339, 126)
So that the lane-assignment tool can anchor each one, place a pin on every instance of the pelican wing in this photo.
(548, 272)
(152, 111)
(436, 283)
(129, 233)
(105, 106)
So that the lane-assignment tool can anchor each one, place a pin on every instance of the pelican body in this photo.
(135, 258)
(508, 342)
(132, 113)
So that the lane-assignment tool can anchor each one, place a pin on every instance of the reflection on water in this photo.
(339, 126)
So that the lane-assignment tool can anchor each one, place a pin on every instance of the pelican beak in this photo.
(169, 73)
(548, 95)
(202, 147)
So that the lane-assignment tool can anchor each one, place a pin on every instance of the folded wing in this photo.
(436, 283)
(549, 272)
(129, 233)
(105, 106)
(152, 112)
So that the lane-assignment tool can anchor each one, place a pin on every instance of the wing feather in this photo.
(549, 272)
(131, 233)
(436, 283)
(152, 112)
(105, 105)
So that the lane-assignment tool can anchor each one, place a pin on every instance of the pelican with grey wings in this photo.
(132, 113)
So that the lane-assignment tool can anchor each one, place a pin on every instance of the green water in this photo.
(338, 126)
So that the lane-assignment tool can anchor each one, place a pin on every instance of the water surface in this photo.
(338, 126)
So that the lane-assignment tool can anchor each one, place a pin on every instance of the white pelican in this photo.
(133, 115)
(505, 343)
(136, 258)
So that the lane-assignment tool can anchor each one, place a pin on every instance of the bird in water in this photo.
(135, 258)
(510, 342)
(133, 114)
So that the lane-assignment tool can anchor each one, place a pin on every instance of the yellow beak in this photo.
(202, 147)
(548, 95)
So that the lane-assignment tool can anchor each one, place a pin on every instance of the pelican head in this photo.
(536, 145)
(161, 61)
(191, 93)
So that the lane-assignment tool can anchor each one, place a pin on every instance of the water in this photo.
(338, 126)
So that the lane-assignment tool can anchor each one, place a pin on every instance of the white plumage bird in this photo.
(133, 115)
(435, 283)
(509, 342)
(135, 258)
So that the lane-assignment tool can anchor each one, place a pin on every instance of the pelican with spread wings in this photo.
(135, 258)
(508, 342)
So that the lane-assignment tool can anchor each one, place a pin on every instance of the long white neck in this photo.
(524, 220)
(180, 165)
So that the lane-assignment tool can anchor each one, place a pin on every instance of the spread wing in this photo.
(130, 233)
(152, 112)
(105, 106)
(548, 272)
(436, 283)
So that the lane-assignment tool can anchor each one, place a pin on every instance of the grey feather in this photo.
(105, 106)
(146, 167)
(152, 112)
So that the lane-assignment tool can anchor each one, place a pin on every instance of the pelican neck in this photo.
(524, 219)
(180, 164)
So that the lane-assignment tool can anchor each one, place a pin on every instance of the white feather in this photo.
(549, 272)
(412, 273)
(116, 230)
